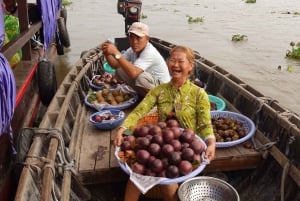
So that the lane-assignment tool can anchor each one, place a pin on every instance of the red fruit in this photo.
(172, 171)
(189, 135)
(186, 137)
(162, 174)
(176, 131)
(184, 145)
(129, 138)
(138, 168)
(188, 154)
(185, 167)
(162, 124)
(167, 149)
(157, 139)
(156, 165)
(168, 135)
(176, 144)
(141, 131)
(174, 158)
(155, 130)
(142, 156)
(149, 137)
(172, 123)
(196, 159)
(142, 143)
(149, 172)
(125, 145)
(151, 158)
(97, 118)
(154, 149)
(197, 146)
(165, 162)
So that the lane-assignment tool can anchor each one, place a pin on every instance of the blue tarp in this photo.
(49, 10)
(7, 88)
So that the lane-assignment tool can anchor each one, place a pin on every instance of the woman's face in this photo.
(179, 66)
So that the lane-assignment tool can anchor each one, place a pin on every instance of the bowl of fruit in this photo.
(111, 99)
(105, 80)
(162, 150)
(107, 119)
(231, 128)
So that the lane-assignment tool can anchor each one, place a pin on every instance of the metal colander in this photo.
(205, 188)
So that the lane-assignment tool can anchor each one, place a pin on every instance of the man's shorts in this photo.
(144, 80)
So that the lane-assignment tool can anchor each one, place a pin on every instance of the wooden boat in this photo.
(68, 155)
(35, 83)
(65, 130)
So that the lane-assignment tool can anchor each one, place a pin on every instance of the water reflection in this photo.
(266, 23)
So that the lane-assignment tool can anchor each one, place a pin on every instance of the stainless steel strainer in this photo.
(205, 188)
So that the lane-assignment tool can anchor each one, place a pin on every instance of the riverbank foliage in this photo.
(239, 37)
(250, 1)
(195, 20)
(294, 53)
(66, 3)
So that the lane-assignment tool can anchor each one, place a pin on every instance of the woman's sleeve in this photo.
(204, 125)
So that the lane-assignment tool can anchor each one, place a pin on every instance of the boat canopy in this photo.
(7, 88)
(49, 11)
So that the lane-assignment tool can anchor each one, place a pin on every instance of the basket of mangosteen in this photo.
(231, 128)
(162, 150)
(105, 80)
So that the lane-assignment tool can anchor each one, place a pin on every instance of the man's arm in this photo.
(110, 51)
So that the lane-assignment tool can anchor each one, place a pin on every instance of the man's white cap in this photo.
(140, 29)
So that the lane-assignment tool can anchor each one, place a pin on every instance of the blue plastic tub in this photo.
(221, 105)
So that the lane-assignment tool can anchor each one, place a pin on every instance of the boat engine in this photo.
(131, 11)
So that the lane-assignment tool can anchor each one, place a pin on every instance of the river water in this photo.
(270, 26)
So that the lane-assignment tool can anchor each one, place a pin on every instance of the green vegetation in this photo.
(291, 13)
(239, 37)
(195, 20)
(66, 3)
(250, 1)
(290, 69)
(295, 52)
(144, 16)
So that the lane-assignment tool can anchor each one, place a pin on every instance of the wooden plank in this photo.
(113, 159)
(234, 158)
(93, 138)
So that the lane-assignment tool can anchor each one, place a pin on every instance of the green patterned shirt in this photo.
(190, 103)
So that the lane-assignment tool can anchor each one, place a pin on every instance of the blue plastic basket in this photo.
(108, 68)
(247, 124)
(108, 124)
(221, 105)
(167, 181)
(134, 98)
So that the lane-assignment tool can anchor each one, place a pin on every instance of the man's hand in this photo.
(109, 48)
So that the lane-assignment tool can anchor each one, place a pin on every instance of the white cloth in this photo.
(151, 61)
(142, 182)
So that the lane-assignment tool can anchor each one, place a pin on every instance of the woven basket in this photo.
(150, 118)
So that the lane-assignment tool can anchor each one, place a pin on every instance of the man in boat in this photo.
(141, 66)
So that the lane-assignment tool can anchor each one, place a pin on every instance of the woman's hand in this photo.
(119, 137)
(211, 149)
